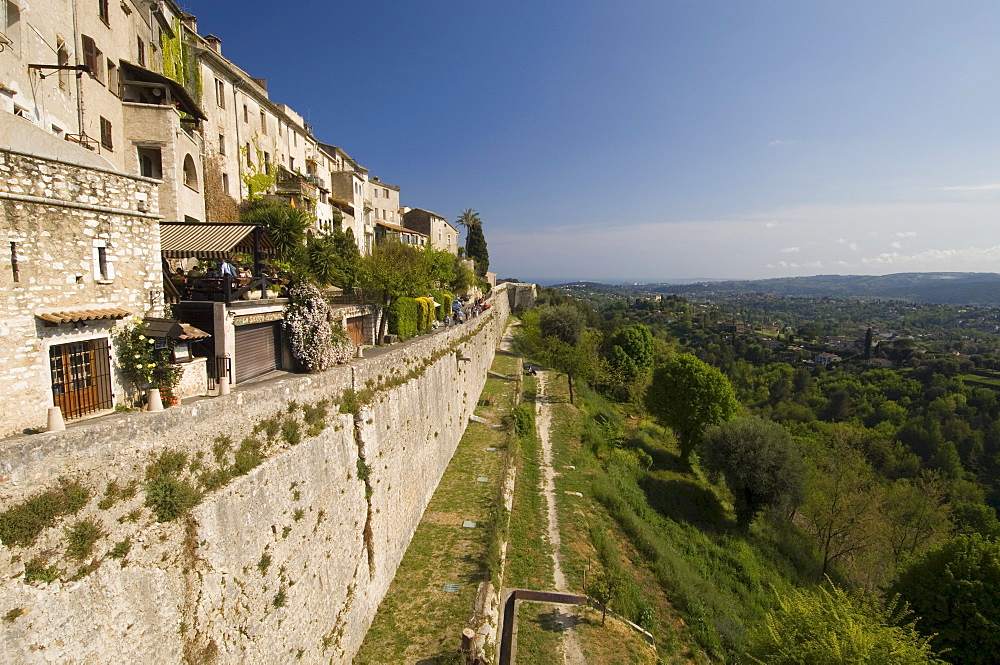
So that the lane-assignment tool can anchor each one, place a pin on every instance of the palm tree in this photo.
(286, 225)
(468, 218)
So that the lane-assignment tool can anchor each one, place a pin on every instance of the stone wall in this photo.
(287, 562)
(59, 216)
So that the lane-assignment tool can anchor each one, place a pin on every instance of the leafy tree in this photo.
(842, 509)
(392, 270)
(564, 322)
(760, 462)
(975, 518)
(606, 587)
(955, 590)
(580, 361)
(630, 358)
(333, 259)
(826, 625)
(687, 395)
(475, 241)
(917, 515)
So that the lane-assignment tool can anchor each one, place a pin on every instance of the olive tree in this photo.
(760, 462)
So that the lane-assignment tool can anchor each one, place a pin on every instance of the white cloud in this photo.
(733, 247)
(789, 250)
(895, 245)
(955, 257)
(771, 224)
(777, 142)
(972, 188)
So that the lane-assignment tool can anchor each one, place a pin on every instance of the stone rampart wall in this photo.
(285, 564)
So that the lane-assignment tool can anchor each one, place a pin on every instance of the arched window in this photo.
(190, 173)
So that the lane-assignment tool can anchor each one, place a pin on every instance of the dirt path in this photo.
(571, 651)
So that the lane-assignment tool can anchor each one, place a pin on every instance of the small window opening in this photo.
(14, 267)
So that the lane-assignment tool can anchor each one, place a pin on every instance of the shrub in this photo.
(523, 417)
(291, 432)
(955, 590)
(315, 417)
(829, 626)
(21, 524)
(82, 537)
(170, 498)
(121, 549)
(36, 571)
(403, 318)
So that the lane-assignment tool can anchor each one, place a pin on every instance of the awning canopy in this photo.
(172, 329)
(74, 316)
(133, 72)
(202, 240)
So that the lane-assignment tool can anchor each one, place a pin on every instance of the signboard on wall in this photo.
(265, 317)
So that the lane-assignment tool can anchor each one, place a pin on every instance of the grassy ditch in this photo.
(419, 620)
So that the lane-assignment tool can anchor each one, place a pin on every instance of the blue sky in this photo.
(654, 140)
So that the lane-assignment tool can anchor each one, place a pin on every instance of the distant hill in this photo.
(951, 288)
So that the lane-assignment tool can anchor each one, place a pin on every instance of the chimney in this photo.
(214, 43)
(190, 22)
(262, 83)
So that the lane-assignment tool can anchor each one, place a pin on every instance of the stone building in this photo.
(81, 258)
(440, 232)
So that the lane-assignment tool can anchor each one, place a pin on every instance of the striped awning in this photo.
(74, 316)
(200, 240)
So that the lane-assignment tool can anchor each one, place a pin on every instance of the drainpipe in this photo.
(79, 84)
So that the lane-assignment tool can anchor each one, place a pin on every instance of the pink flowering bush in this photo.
(316, 342)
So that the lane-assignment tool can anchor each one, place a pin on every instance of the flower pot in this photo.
(153, 401)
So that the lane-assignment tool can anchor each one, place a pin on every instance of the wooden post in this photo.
(467, 636)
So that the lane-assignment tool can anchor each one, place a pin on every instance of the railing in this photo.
(225, 289)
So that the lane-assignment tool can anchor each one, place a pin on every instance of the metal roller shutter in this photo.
(258, 350)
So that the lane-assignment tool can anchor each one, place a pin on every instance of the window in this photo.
(102, 262)
(106, 134)
(225, 182)
(20, 111)
(150, 163)
(246, 113)
(102, 11)
(291, 163)
(281, 128)
(103, 270)
(220, 93)
(93, 58)
(14, 268)
(141, 52)
(295, 138)
(190, 173)
(222, 144)
(113, 78)
(249, 155)
(263, 123)
(62, 59)
(267, 163)
(13, 25)
(385, 193)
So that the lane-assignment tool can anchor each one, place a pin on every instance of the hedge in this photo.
(403, 318)
(444, 308)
